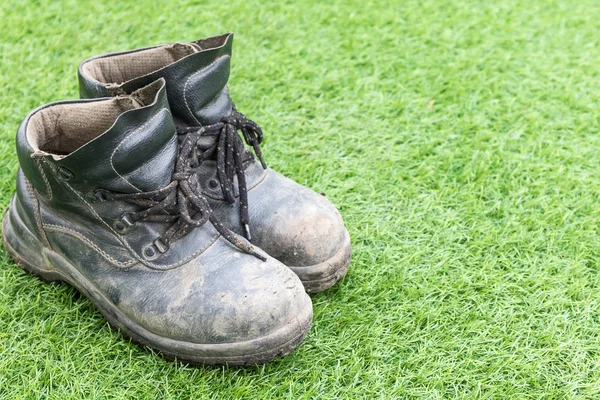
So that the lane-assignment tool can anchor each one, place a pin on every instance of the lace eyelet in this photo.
(64, 174)
(91, 197)
(122, 224)
(213, 184)
(96, 196)
(155, 249)
(100, 194)
(150, 252)
(161, 246)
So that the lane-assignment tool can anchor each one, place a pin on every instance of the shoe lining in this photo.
(121, 68)
(61, 129)
(116, 69)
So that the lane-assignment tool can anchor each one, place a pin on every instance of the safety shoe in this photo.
(290, 222)
(107, 202)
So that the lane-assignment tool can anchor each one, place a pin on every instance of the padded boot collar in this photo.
(135, 153)
(196, 74)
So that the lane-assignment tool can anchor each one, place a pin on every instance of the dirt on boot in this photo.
(107, 201)
(292, 223)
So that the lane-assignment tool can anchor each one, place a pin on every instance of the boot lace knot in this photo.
(181, 203)
(231, 155)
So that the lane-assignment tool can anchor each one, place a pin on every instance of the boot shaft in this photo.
(126, 144)
(74, 153)
(196, 74)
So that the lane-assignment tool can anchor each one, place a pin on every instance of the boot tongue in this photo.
(136, 154)
(196, 83)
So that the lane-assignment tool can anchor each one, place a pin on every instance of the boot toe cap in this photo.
(226, 296)
(302, 228)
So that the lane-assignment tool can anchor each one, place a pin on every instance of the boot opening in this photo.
(60, 129)
(119, 68)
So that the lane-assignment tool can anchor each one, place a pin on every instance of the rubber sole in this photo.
(52, 267)
(322, 276)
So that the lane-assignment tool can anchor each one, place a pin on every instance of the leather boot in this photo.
(106, 201)
(292, 223)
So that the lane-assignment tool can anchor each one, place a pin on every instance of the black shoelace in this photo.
(231, 155)
(179, 202)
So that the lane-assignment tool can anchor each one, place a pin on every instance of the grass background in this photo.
(459, 140)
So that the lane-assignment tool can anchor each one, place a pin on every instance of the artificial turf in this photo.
(460, 141)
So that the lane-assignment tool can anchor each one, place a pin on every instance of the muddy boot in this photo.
(106, 201)
(290, 222)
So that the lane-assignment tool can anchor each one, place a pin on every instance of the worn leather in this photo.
(290, 222)
(196, 84)
(202, 290)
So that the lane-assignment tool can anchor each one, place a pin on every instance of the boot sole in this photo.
(322, 276)
(51, 267)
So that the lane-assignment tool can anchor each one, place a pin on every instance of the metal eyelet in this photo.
(213, 184)
(97, 196)
(100, 194)
(91, 197)
(122, 224)
(150, 252)
(64, 174)
(161, 246)
(155, 249)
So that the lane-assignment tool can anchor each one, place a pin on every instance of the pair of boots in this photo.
(145, 199)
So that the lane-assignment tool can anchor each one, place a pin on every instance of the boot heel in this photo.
(27, 252)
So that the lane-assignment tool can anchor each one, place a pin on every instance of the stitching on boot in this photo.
(133, 252)
(37, 213)
(186, 85)
(185, 260)
(159, 113)
(44, 178)
(79, 236)
(102, 221)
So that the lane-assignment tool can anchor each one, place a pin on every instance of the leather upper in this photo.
(202, 290)
(196, 84)
(290, 222)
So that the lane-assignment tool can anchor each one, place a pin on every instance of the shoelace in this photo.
(230, 150)
(179, 202)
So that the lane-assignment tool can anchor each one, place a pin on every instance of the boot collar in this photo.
(134, 151)
(196, 75)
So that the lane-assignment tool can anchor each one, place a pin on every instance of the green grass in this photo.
(459, 140)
